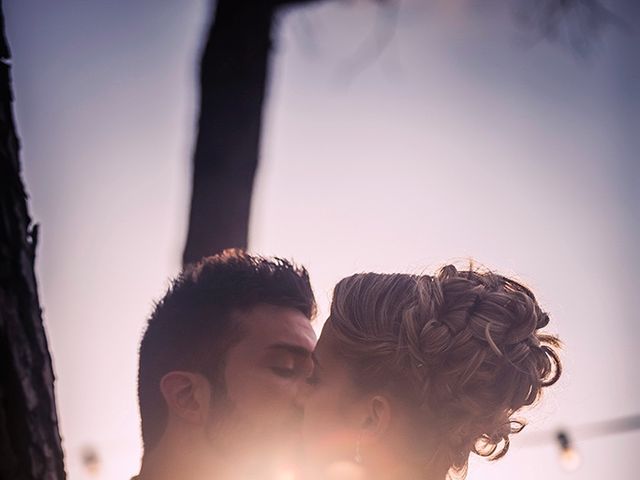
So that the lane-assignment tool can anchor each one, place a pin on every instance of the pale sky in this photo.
(461, 138)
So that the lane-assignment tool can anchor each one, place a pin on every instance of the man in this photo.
(222, 362)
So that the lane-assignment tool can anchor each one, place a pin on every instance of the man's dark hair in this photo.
(191, 328)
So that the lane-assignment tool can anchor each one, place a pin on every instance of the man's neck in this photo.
(170, 462)
(178, 459)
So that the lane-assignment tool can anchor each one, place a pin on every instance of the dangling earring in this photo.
(358, 456)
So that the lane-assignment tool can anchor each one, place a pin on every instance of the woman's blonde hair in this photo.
(463, 348)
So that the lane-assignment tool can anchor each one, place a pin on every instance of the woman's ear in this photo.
(378, 417)
(187, 396)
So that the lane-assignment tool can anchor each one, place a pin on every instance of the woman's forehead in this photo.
(327, 343)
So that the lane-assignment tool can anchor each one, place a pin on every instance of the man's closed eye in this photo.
(284, 372)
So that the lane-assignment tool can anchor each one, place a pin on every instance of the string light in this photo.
(91, 460)
(569, 456)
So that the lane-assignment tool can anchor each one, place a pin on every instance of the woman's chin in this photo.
(344, 470)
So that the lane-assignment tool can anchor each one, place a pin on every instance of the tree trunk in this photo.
(232, 87)
(30, 447)
(233, 75)
(233, 78)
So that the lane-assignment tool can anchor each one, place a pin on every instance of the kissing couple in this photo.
(411, 374)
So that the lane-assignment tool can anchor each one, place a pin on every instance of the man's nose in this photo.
(302, 390)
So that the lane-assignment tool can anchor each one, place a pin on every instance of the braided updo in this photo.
(462, 348)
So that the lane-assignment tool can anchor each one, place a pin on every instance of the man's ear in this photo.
(378, 417)
(187, 395)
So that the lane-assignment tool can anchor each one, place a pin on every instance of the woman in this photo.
(414, 373)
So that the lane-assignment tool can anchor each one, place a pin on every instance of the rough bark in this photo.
(30, 447)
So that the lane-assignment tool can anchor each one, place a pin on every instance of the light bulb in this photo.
(91, 460)
(570, 459)
(569, 456)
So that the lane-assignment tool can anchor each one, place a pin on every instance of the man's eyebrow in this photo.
(291, 348)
